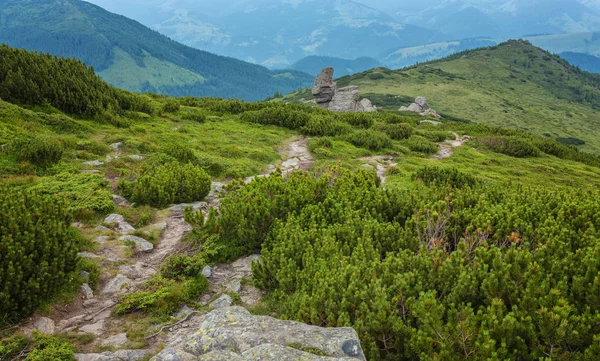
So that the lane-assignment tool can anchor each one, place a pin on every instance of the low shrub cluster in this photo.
(438, 176)
(397, 131)
(369, 139)
(41, 152)
(38, 250)
(490, 272)
(419, 144)
(512, 146)
(39, 347)
(162, 185)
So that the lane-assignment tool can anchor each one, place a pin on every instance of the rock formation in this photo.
(347, 99)
(420, 106)
(232, 333)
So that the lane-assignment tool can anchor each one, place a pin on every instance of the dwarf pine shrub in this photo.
(42, 152)
(512, 146)
(38, 250)
(162, 185)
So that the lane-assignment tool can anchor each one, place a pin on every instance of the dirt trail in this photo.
(119, 277)
(447, 148)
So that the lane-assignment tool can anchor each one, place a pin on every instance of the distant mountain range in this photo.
(131, 56)
(585, 62)
(314, 64)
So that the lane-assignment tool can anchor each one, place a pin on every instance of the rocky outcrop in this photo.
(347, 99)
(420, 106)
(232, 333)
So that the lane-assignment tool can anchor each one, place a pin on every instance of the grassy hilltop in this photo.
(513, 85)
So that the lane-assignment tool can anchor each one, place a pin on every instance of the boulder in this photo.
(44, 325)
(121, 355)
(124, 227)
(87, 291)
(221, 302)
(114, 218)
(347, 99)
(233, 333)
(140, 243)
(207, 271)
(115, 285)
(324, 87)
(420, 106)
(119, 201)
(96, 329)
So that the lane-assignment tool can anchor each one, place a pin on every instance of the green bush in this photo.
(420, 144)
(369, 139)
(319, 125)
(195, 117)
(494, 272)
(445, 177)
(435, 136)
(571, 141)
(171, 105)
(182, 266)
(37, 348)
(42, 152)
(162, 185)
(38, 250)
(280, 116)
(180, 152)
(360, 120)
(398, 131)
(512, 146)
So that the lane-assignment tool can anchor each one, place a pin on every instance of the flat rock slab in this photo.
(96, 329)
(44, 325)
(140, 243)
(121, 355)
(117, 340)
(233, 330)
(114, 218)
(221, 302)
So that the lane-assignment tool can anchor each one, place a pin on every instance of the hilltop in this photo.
(131, 56)
(513, 85)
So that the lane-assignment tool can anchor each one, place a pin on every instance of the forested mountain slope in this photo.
(133, 57)
(512, 85)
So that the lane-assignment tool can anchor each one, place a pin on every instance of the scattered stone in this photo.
(204, 300)
(129, 272)
(95, 328)
(90, 303)
(119, 200)
(114, 218)
(221, 302)
(45, 325)
(207, 271)
(161, 225)
(121, 355)
(87, 255)
(63, 324)
(101, 239)
(116, 284)
(77, 225)
(124, 227)
(250, 295)
(117, 340)
(84, 275)
(235, 330)
(87, 291)
(195, 206)
(93, 163)
(420, 106)
(347, 99)
(102, 228)
(433, 122)
(234, 286)
(109, 158)
(116, 146)
(141, 244)
(136, 157)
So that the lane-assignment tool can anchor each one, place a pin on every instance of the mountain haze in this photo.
(131, 56)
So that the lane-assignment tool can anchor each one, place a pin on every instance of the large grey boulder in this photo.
(44, 325)
(115, 285)
(121, 355)
(345, 99)
(233, 330)
(420, 106)
(324, 87)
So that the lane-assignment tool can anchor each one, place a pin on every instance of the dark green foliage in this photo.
(162, 185)
(323, 142)
(281, 116)
(37, 348)
(512, 146)
(66, 84)
(516, 270)
(162, 296)
(320, 125)
(182, 266)
(42, 152)
(445, 177)
(179, 151)
(38, 250)
(570, 141)
(435, 136)
(172, 105)
(397, 131)
(359, 120)
(195, 117)
(369, 139)
(420, 144)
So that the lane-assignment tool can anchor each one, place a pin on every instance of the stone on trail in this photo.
(96, 329)
(117, 340)
(140, 243)
(121, 355)
(87, 291)
(114, 218)
(233, 333)
(207, 271)
(221, 302)
(44, 325)
(115, 285)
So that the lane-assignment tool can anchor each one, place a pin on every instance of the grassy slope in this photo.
(486, 86)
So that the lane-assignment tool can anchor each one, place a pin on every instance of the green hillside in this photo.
(133, 57)
(513, 85)
(429, 243)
